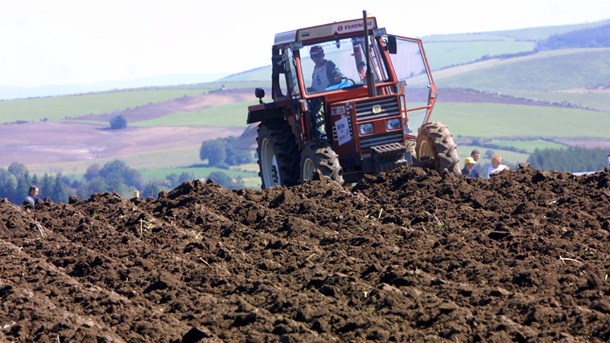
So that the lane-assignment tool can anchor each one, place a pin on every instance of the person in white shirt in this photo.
(496, 165)
(325, 72)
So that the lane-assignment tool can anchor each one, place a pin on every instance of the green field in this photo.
(62, 107)
(593, 99)
(528, 145)
(497, 120)
(587, 68)
(225, 115)
(443, 54)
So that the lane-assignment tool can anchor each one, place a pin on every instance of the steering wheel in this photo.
(348, 80)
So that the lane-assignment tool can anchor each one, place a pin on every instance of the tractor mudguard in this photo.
(268, 112)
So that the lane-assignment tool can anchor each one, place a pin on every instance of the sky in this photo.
(59, 42)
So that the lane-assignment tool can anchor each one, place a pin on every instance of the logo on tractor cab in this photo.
(354, 26)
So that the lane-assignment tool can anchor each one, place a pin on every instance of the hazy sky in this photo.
(48, 42)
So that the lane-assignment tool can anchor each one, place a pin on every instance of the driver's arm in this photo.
(333, 73)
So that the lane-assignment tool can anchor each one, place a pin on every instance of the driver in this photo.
(325, 72)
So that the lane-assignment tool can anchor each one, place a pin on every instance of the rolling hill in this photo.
(495, 90)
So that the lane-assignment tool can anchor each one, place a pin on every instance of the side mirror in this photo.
(391, 44)
(260, 94)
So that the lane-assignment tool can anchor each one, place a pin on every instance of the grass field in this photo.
(443, 54)
(61, 107)
(588, 98)
(544, 72)
(528, 145)
(497, 120)
(225, 115)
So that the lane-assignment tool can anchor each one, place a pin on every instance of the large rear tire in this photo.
(278, 154)
(435, 146)
(317, 155)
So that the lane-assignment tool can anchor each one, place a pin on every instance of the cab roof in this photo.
(324, 31)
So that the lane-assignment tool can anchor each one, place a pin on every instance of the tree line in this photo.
(113, 177)
(596, 37)
(571, 160)
(116, 176)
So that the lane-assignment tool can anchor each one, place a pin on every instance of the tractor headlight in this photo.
(392, 124)
(366, 129)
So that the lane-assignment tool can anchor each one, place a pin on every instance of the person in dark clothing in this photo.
(470, 170)
(32, 196)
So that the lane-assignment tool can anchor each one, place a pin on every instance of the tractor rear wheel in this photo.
(318, 155)
(277, 154)
(435, 147)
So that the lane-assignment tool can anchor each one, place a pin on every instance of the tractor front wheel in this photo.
(277, 154)
(435, 147)
(317, 155)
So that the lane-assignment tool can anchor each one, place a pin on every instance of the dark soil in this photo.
(410, 255)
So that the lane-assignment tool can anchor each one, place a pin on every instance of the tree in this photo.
(151, 190)
(118, 172)
(92, 171)
(59, 191)
(114, 176)
(8, 185)
(236, 156)
(214, 151)
(17, 169)
(222, 150)
(96, 185)
(226, 181)
(173, 179)
(118, 122)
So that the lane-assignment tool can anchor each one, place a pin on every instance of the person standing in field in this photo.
(32, 196)
(496, 165)
(469, 169)
(475, 155)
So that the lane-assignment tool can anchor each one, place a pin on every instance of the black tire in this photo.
(278, 154)
(317, 155)
(435, 145)
(411, 144)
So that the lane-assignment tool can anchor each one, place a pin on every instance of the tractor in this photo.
(340, 108)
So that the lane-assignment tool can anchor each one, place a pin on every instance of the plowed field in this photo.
(409, 255)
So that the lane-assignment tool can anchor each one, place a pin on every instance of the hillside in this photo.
(484, 79)
(43, 142)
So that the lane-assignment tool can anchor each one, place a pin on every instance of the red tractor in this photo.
(340, 106)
